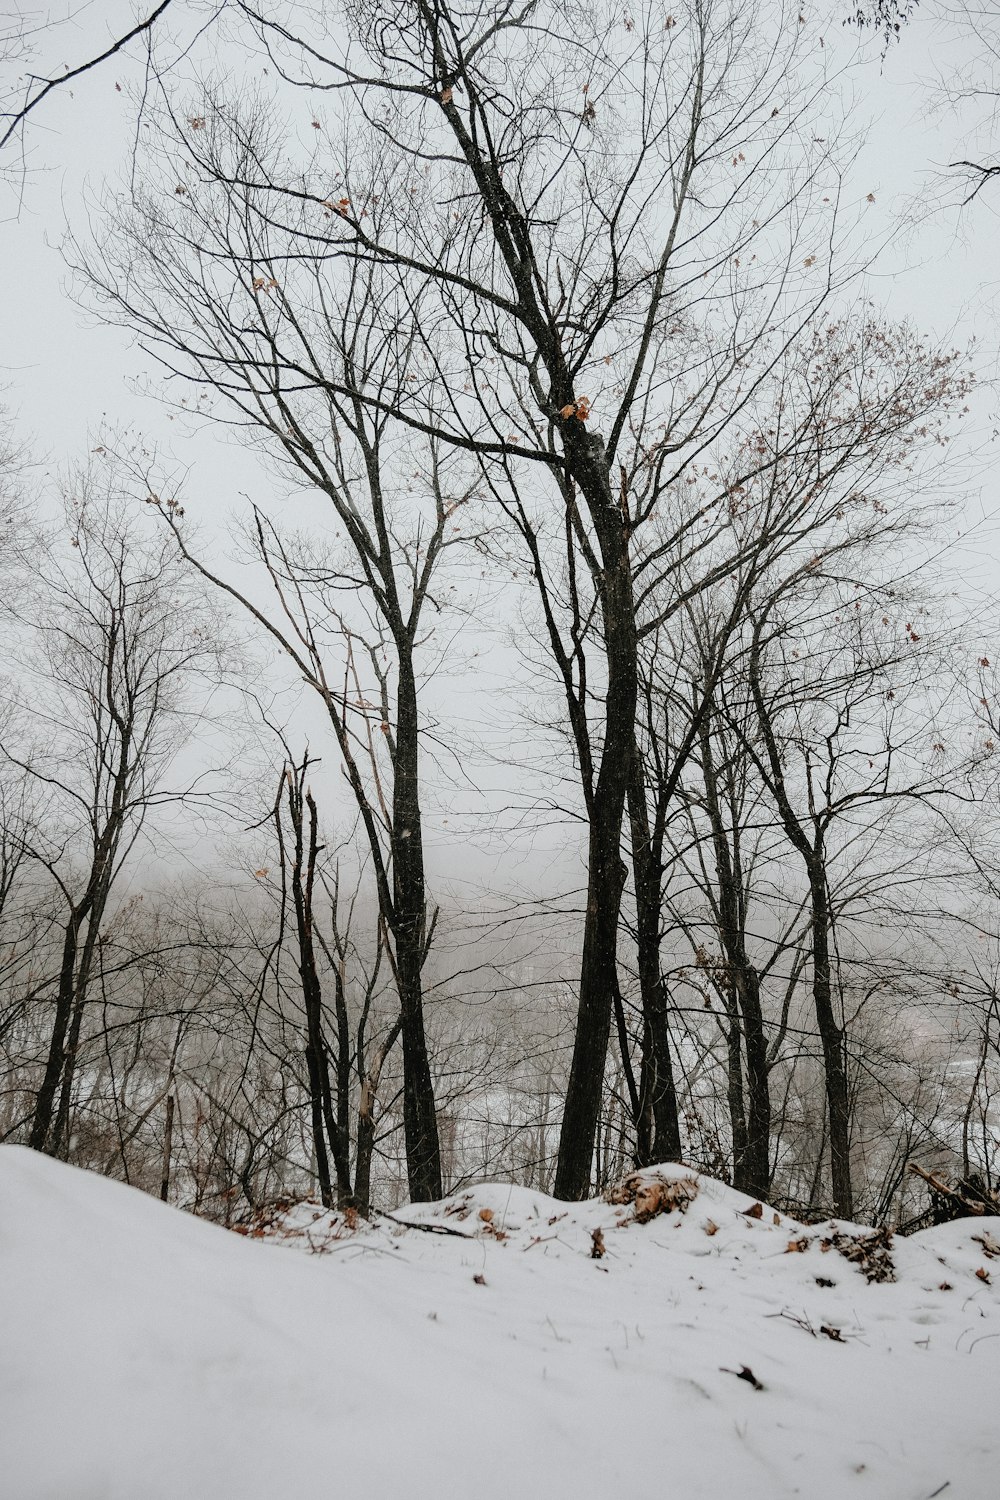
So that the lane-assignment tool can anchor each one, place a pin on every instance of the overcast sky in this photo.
(66, 374)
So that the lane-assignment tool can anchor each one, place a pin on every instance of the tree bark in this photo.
(41, 1123)
(832, 1040)
(658, 1132)
(751, 1151)
(813, 857)
(168, 1140)
(423, 1147)
(606, 871)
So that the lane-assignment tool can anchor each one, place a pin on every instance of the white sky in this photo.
(65, 374)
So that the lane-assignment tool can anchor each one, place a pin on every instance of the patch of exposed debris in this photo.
(871, 1253)
(299, 1219)
(652, 1194)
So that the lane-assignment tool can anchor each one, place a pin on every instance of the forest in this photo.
(575, 748)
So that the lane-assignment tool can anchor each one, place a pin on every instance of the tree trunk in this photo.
(168, 1140)
(81, 988)
(41, 1123)
(606, 872)
(325, 1125)
(831, 1036)
(658, 1132)
(832, 1039)
(60, 1130)
(363, 1159)
(423, 1148)
(734, 1097)
(751, 1163)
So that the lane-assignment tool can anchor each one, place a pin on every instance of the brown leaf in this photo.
(479, 1279)
(597, 1246)
(710, 1227)
(983, 1275)
(486, 1214)
(755, 1211)
(447, 95)
(797, 1246)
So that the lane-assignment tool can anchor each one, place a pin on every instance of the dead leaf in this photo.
(479, 1279)
(710, 1227)
(983, 1275)
(755, 1211)
(597, 1246)
(652, 1194)
(447, 95)
(797, 1246)
(486, 1214)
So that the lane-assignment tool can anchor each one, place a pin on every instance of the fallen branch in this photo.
(955, 1195)
(458, 1234)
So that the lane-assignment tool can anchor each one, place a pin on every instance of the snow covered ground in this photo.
(145, 1355)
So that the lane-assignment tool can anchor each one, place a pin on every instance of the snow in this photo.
(145, 1354)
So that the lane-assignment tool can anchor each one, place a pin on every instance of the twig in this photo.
(18, 116)
(429, 1228)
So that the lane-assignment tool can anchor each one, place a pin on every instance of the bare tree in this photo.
(114, 639)
(561, 143)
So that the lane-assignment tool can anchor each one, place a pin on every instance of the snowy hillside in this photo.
(147, 1355)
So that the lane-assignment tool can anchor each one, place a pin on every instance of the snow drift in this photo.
(498, 1344)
